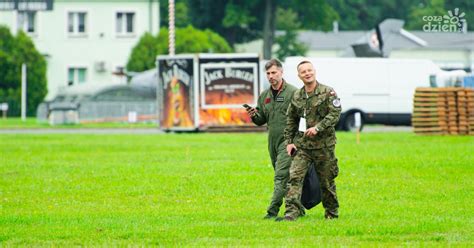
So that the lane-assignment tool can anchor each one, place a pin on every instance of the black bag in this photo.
(311, 194)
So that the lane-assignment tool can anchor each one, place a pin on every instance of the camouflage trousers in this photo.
(281, 165)
(325, 163)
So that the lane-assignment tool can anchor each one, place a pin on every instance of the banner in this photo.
(176, 92)
(224, 88)
(228, 85)
(26, 5)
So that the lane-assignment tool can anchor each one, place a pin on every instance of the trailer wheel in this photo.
(349, 122)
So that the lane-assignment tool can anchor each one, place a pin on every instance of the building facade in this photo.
(85, 42)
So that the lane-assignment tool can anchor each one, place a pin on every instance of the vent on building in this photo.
(99, 66)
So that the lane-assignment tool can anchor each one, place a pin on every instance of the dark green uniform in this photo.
(272, 111)
(321, 109)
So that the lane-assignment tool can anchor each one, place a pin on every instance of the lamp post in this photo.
(23, 92)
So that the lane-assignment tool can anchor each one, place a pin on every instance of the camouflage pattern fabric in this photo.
(321, 109)
(325, 163)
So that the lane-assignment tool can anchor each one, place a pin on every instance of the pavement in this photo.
(386, 129)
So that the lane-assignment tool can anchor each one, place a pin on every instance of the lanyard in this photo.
(306, 105)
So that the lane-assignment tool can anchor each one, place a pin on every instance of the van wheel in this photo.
(349, 122)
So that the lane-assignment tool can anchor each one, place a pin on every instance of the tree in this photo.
(287, 21)
(188, 40)
(433, 8)
(439, 8)
(246, 20)
(365, 14)
(464, 6)
(143, 54)
(352, 11)
(181, 13)
(14, 51)
(269, 27)
(237, 21)
(313, 14)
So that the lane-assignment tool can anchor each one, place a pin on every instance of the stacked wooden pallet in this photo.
(443, 111)
(463, 113)
(470, 109)
(429, 111)
(451, 112)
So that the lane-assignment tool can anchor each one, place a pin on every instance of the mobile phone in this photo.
(246, 106)
(293, 152)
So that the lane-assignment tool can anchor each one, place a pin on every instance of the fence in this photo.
(91, 111)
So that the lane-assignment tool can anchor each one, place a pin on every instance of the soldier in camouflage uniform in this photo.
(271, 110)
(312, 115)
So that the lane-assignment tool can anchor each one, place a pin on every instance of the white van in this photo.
(380, 89)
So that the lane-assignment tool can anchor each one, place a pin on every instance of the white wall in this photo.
(100, 44)
(443, 58)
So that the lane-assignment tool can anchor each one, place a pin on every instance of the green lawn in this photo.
(33, 123)
(212, 190)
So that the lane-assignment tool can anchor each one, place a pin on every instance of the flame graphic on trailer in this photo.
(177, 109)
(224, 88)
(176, 77)
(199, 91)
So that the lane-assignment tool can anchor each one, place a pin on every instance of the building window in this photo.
(119, 70)
(76, 75)
(27, 21)
(77, 23)
(125, 22)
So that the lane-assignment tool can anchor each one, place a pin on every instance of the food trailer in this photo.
(206, 91)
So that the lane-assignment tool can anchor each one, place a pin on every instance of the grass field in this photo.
(213, 189)
(33, 123)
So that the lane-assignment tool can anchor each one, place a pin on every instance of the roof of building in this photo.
(143, 81)
(317, 40)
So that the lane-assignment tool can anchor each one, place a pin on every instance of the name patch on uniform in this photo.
(336, 103)
(280, 99)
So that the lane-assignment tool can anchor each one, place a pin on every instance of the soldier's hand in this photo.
(289, 148)
(251, 111)
(311, 132)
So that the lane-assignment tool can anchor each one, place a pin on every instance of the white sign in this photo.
(228, 85)
(357, 119)
(4, 106)
(132, 117)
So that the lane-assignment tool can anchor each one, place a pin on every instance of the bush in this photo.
(188, 40)
(15, 51)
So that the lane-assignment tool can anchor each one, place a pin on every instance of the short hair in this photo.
(273, 62)
(303, 62)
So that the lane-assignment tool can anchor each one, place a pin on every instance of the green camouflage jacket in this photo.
(322, 108)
